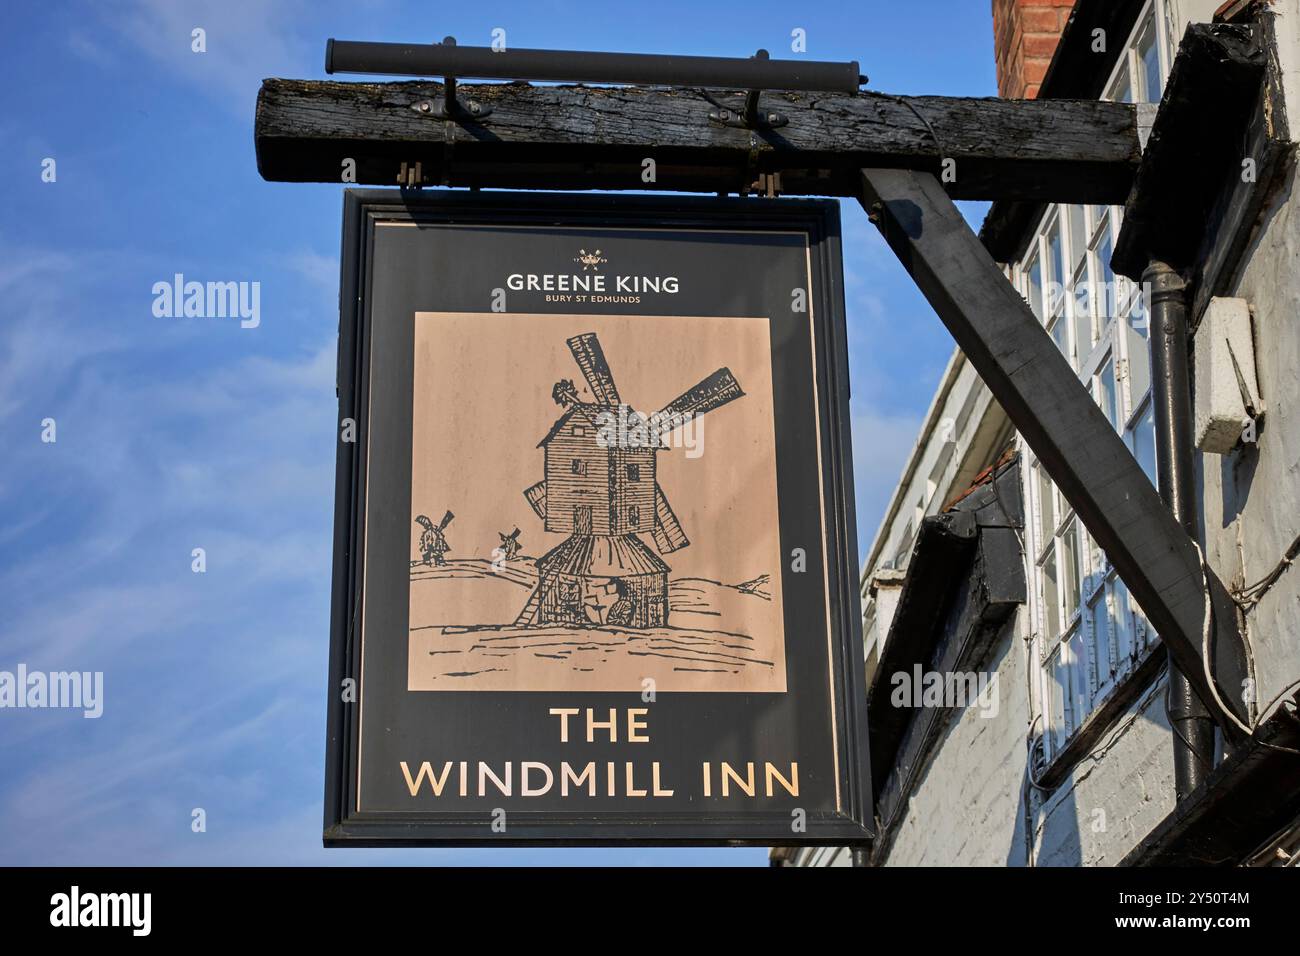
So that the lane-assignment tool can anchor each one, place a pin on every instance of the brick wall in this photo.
(1025, 33)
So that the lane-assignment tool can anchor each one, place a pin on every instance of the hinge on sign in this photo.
(748, 115)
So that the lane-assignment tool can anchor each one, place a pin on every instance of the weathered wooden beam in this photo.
(1066, 429)
(939, 564)
(1079, 71)
(1198, 144)
(578, 137)
(964, 579)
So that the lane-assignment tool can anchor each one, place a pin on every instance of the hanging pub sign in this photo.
(594, 569)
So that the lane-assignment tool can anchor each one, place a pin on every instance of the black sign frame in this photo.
(850, 822)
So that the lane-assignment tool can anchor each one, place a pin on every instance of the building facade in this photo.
(1062, 752)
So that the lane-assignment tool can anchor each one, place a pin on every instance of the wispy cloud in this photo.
(245, 40)
(233, 454)
(882, 443)
(85, 48)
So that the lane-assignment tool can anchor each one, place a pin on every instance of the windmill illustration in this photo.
(509, 544)
(433, 543)
(603, 494)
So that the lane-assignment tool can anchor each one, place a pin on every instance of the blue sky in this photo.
(174, 434)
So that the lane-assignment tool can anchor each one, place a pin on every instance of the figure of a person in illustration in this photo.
(624, 610)
(433, 543)
(569, 604)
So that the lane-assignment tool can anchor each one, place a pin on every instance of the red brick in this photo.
(1025, 36)
(1038, 20)
(1041, 44)
(1035, 69)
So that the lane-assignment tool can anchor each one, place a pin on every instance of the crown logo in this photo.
(589, 260)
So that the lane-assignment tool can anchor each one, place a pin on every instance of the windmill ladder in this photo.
(529, 614)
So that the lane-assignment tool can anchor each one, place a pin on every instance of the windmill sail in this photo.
(446, 520)
(536, 495)
(595, 369)
(668, 533)
(713, 392)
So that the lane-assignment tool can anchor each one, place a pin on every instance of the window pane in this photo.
(1121, 89)
(1035, 291)
(1051, 598)
(1106, 392)
(1093, 564)
(1149, 57)
(1105, 291)
(1098, 625)
(1144, 442)
(1139, 362)
(1121, 623)
(1058, 678)
(1078, 236)
(1082, 311)
(1070, 580)
(1080, 691)
(1059, 330)
(1046, 514)
(1056, 277)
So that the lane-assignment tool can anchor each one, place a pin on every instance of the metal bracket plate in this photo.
(457, 111)
(741, 117)
(748, 115)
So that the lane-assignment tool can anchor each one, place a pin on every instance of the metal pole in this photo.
(1171, 392)
(573, 66)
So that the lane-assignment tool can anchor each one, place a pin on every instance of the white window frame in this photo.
(1074, 676)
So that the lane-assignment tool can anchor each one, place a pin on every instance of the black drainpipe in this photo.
(1171, 391)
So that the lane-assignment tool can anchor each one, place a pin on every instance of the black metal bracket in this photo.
(1093, 468)
(749, 115)
(447, 106)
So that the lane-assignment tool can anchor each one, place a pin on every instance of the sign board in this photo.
(595, 569)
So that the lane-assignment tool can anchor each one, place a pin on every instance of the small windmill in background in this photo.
(509, 544)
(433, 542)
